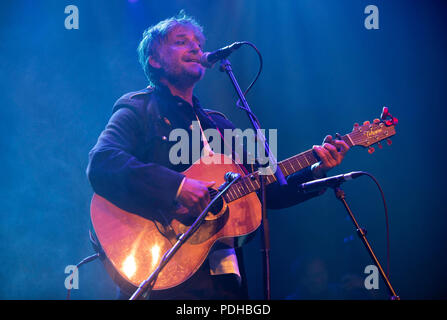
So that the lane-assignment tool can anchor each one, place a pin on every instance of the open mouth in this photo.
(193, 60)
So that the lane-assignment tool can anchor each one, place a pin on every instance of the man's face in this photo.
(178, 57)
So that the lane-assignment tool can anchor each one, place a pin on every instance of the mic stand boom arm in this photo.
(146, 286)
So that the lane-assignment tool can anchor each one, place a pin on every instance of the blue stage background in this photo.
(323, 71)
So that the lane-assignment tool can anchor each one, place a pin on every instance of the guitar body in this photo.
(134, 245)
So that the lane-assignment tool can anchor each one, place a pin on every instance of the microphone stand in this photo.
(340, 195)
(146, 286)
(265, 235)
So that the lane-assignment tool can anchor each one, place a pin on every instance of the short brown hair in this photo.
(156, 34)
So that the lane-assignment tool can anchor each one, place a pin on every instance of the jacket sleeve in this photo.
(116, 172)
(280, 197)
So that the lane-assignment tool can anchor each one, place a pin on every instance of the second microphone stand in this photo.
(340, 195)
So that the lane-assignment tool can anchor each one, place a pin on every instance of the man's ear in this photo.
(154, 63)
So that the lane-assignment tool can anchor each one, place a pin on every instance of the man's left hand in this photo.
(331, 154)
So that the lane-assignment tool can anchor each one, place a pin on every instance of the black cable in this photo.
(260, 66)
(254, 80)
(84, 261)
(387, 223)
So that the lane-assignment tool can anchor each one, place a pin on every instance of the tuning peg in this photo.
(376, 121)
(391, 122)
(389, 142)
(166, 120)
(371, 150)
(379, 145)
(385, 113)
(366, 123)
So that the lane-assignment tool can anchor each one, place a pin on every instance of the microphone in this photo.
(230, 176)
(208, 59)
(329, 182)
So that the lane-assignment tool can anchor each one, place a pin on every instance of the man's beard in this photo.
(183, 77)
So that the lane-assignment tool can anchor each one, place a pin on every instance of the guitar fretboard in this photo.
(251, 182)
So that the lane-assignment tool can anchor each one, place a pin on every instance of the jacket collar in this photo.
(164, 91)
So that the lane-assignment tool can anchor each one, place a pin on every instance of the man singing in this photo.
(130, 163)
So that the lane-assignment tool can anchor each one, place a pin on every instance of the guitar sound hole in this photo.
(218, 205)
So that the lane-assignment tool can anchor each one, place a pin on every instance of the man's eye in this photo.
(181, 42)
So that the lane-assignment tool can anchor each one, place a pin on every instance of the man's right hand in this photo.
(194, 196)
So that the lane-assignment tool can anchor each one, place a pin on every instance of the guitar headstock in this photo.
(369, 134)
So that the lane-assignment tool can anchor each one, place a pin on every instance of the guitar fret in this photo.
(256, 181)
(236, 191)
(290, 170)
(240, 189)
(231, 193)
(293, 168)
(350, 140)
(249, 186)
(228, 195)
(300, 162)
(245, 187)
(266, 180)
(307, 160)
(251, 183)
(244, 191)
(303, 162)
(310, 159)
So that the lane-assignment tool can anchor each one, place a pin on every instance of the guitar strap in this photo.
(208, 149)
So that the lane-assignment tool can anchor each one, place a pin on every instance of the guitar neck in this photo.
(250, 183)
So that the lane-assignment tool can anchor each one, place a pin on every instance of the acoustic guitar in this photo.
(133, 245)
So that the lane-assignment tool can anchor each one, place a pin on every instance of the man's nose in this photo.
(194, 47)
